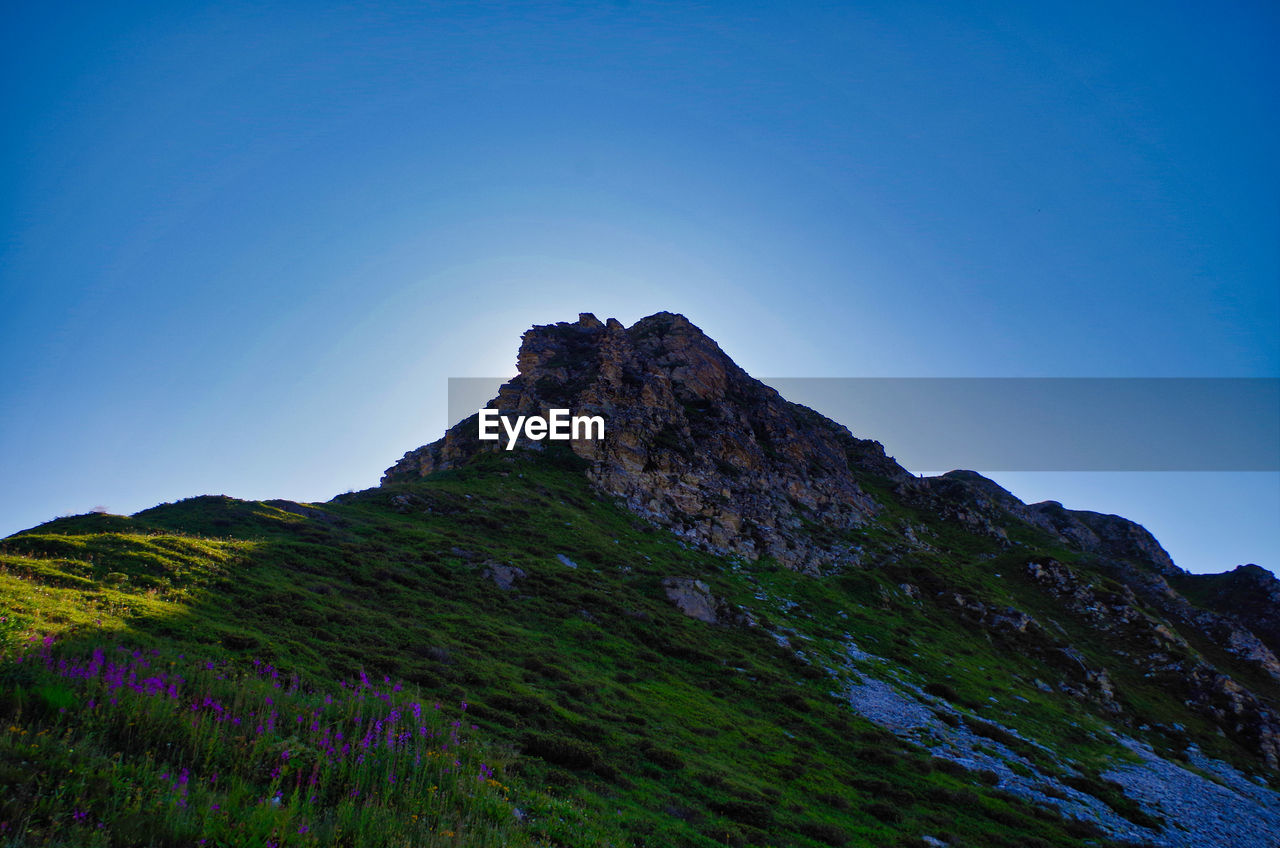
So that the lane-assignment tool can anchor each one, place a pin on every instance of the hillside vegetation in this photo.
(585, 708)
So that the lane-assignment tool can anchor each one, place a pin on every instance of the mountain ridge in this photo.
(677, 404)
(730, 621)
(753, 475)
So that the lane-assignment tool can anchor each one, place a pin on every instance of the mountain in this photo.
(695, 443)
(729, 621)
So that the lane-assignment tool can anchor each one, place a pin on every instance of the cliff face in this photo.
(693, 442)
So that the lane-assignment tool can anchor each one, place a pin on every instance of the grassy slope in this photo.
(642, 725)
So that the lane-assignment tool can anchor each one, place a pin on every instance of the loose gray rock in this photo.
(692, 597)
(504, 576)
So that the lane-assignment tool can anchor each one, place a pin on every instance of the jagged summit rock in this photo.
(701, 447)
(693, 442)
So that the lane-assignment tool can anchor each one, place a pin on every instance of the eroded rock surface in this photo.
(693, 442)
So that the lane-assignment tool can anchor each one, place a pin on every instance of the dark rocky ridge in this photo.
(1249, 594)
(983, 506)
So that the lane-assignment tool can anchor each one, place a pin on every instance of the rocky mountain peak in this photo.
(692, 441)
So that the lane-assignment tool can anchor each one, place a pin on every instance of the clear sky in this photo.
(244, 247)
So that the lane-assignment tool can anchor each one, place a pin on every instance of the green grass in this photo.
(617, 719)
(150, 748)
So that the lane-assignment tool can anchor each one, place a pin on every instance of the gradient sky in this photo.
(243, 248)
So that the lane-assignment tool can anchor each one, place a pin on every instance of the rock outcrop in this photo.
(692, 441)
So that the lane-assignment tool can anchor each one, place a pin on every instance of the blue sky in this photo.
(244, 248)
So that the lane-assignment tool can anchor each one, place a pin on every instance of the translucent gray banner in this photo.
(1034, 424)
